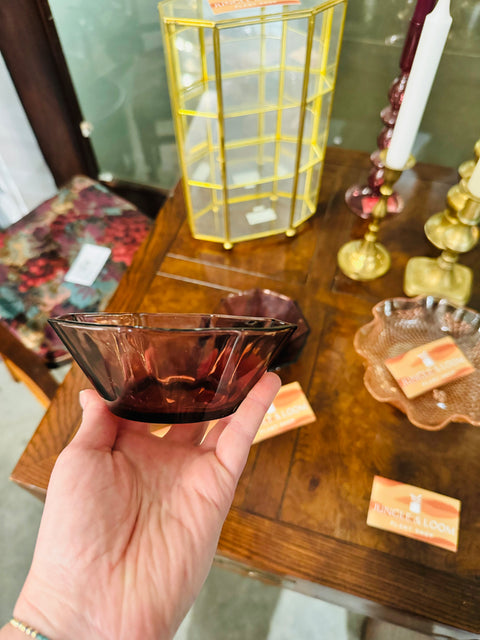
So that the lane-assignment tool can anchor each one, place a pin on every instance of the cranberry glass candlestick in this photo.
(367, 259)
(361, 199)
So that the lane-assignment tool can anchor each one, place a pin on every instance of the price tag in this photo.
(414, 513)
(223, 6)
(261, 214)
(87, 265)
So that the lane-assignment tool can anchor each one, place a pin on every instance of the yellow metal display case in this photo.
(251, 93)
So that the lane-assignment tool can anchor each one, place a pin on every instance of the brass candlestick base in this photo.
(364, 259)
(428, 276)
(367, 259)
(443, 277)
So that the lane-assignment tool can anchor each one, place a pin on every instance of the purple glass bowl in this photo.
(172, 368)
(266, 303)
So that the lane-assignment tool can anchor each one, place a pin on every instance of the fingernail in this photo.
(82, 397)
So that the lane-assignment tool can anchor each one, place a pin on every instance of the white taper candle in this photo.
(427, 57)
(474, 182)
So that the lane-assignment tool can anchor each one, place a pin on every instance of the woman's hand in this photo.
(131, 522)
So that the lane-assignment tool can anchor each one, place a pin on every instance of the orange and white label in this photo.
(429, 366)
(289, 410)
(223, 6)
(414, 513)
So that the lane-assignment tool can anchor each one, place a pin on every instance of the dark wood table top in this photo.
(299, 514)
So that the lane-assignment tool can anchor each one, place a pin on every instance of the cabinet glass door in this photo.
(114, 53)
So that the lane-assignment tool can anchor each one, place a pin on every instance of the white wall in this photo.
(25, 179)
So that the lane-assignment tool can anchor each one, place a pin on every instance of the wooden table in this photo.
(299, 514)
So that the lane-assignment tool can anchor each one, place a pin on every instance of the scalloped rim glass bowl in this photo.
(401, 324)
(172, 368)
(268, 303)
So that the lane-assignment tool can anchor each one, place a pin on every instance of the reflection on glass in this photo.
(372, 44)
(116, 58)
(114, 52)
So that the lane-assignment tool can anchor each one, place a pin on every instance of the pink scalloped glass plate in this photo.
(401, 324)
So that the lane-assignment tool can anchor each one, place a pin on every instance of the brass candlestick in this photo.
(443, 277)
(367, 259)
(457, 196)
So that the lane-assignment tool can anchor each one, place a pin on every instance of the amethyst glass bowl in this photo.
(172, 368)
(263, 302)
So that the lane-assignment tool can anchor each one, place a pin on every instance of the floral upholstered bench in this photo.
(38, 252)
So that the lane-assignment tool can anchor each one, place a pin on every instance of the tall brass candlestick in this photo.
(457, 197)
(367, 259)
(443, 277)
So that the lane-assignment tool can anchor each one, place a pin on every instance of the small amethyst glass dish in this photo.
(266, 303)
(172, 368)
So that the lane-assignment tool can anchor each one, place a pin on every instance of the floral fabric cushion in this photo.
(37, 251)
